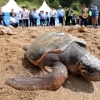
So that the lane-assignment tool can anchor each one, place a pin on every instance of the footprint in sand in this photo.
(98, 47)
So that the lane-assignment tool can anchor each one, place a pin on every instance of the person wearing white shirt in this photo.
(52, 16)
(25, 16)
(13, 21)
(20, 18)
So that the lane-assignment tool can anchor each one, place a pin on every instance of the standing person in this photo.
(2, 17)
(74, 20)
(20, 18)
(34, 17)
(42, 18)
(25, 16)
(30, 17)
(90, 16)
(66, 15)
(99, 18)
(13, 21)
(47, 19)
(52, 16)
(12, 12)
(70, 15)
(60, 15)
(85, 15)
(95, 15)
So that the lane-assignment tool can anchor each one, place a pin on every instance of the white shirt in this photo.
(19, 16)
(53, 13)
(12, 19)
(25, 14)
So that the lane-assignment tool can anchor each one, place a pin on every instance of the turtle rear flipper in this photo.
(50, 81)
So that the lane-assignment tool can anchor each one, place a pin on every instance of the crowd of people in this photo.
(87, 16)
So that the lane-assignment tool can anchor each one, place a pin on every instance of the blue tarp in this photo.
(7, 19)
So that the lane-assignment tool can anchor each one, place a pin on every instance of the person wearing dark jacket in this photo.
(12, 12)
(30, 17)
(66, 15)
(2, 17)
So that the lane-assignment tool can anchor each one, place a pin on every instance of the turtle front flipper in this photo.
(89, 67)
(50, 81)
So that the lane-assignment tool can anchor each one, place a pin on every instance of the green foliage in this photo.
(27, 6)
(54, 4)
(3, 2)
(75, 4)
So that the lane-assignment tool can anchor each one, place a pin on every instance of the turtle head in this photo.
(89, 67)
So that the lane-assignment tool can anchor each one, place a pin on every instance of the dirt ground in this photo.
(14, 63)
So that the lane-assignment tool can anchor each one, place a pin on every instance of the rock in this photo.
(6, 30)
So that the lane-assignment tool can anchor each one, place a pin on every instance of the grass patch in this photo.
(3, 2)
(76, 12)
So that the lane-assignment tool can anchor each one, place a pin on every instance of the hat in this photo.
(23, 7)
(34, 8)
(91, 5)
(84, 5)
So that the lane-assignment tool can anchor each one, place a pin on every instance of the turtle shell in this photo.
(55, 42)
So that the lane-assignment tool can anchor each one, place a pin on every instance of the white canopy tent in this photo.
(44, 7)
(11, 5)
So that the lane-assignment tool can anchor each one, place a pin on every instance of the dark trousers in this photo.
(90, 20)
(31, 22)
(34, 22)
(20, 22)
(66, 21)
(42, 22)
(25, 22)
(73, 22)
(52, 21)
(84, 21)
(2, 20)
(47, 22)
(14, 24)
(98, 20)
(69, 19)
(60, 20)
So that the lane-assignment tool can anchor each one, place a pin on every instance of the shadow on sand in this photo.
(78, 84)
(29, 66)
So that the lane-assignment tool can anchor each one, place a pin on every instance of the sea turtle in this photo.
(78, 28)
(57, 53)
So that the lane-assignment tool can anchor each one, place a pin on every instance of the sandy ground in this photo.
(14, 63)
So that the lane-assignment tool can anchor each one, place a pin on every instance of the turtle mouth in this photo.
(84, 73)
